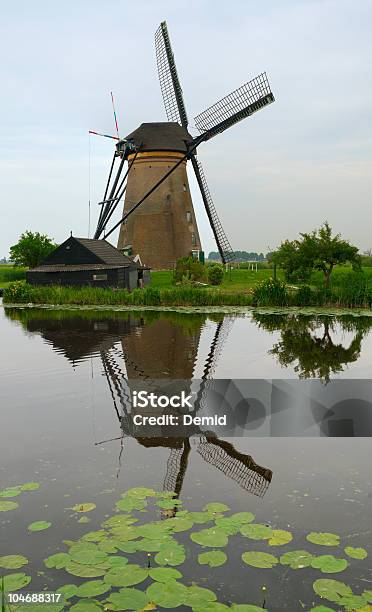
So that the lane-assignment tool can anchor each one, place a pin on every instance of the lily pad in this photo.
(164, 574)
(179, 524)
(328, 564)
(127, 575)
(228, 525)
(256, 531)
(280, 537)
(168, 504)
(353, 602)
(68, 590)
(84, 519)
(150, 545)
(84, 507)
(140, 492)
(11, 492)
(323, 539)
(200, 518)
(58, 560)
(129, 599)
(212, 606)
(13, 561)
(259, 559)
(14, 582)
(86, 571)
(322, 609)
(198, 597)
(171, 554)
(243, 517)
(246, 608)
(297, 559)
(30, 486)
(170, 595)
(39, 526)
(85, 605)
(5, 506)
(92, 588)
(87, 554)
(356, 553)
(216, 507)
(213, 558)
(131, 503)
(117, 561)
(214, 536)
(94, 536)
(333, 590)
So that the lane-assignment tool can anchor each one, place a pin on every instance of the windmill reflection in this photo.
(134, 348)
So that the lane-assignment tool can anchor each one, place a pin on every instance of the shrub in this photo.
(270, 292)
(189, 269)
(215, 274)
(304, 296)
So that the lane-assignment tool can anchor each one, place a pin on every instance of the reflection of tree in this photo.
(306, 342)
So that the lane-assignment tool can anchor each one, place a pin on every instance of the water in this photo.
(61, 386)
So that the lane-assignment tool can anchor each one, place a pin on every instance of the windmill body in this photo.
(164, 228)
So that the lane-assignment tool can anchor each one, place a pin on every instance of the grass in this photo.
(9, 274)
(234, 281)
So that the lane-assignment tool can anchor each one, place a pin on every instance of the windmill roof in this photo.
(161, 136)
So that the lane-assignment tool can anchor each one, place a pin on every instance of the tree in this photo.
(31, 249)
(215, 274)
(318, 250)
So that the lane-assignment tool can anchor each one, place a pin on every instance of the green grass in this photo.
(234, 281)
(9, 274)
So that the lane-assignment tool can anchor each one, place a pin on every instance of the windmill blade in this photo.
(223, 244)
(169, 82)
(241, 103)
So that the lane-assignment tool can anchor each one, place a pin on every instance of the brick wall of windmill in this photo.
(164, 227)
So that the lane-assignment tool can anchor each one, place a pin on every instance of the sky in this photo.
(288, 168)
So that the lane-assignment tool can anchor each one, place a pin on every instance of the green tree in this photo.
(215, 274)
(319, 250)
(31, 249)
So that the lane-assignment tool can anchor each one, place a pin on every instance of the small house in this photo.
(85, 261)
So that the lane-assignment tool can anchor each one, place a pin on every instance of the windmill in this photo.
(159, 221)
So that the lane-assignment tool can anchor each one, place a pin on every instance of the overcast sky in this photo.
(302, 160)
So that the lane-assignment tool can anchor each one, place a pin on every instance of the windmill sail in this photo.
(241, 103)
(169, 82)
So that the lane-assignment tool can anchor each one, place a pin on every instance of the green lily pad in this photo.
(150, 545)
(216, 507)
(85, 605)
(41, 607)
(329, 564)
(256, 531)
(14, 582)
(5, 506)
(243, 517)
(84, 519)
(30, 486)
(213, 536)
(246, 608)
(58, 560)
(199, 597)
(322, 609)
(323, 539)
(125, 533)
(68, 590)
(129, 599)
(140, 492)
(353, 602)
(154, 531)
(164, 574)
(212, 606)
(11, 492)
(127, 575)
(297, 559)
(280, 537)
(87, 554)
(127, 547)
(13, 561)
(228, 525)
(84, 507)
(170, 595)
(367, 594)
(118, 520)
(213, 558)
(39, 526)
(179, 524)
(86, 571)
(333, 590)
(117, 561)
(168, 504)
(199, 518)
(92, 588)
(170, 554)
(356, 553)
(108, 546)
(131, 503)
(94, 536)
(259, 559)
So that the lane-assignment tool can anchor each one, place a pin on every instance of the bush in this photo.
(304, 296)
(270, 292)
(189, 269)
(215, 274)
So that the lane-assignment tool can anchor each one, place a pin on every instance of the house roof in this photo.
(160, 136)
(106, 252)
(78, 267)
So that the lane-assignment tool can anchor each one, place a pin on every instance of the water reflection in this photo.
(146, 348)
(307, 344)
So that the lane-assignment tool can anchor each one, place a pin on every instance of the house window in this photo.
(188, 216)
(99, 277)
(193, 239)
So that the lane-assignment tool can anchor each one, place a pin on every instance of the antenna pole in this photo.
(116, 121)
